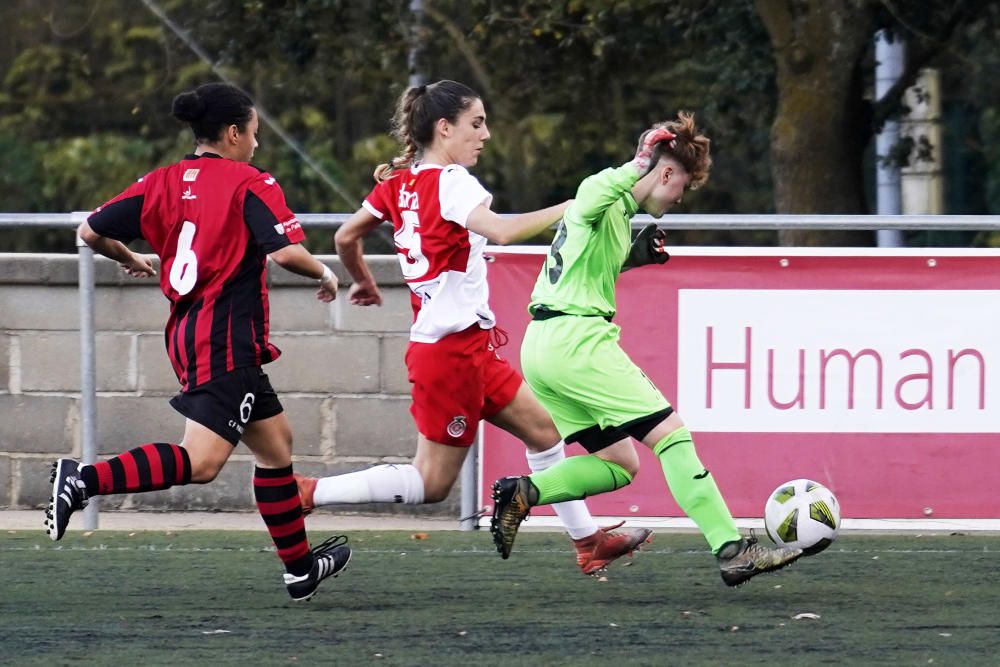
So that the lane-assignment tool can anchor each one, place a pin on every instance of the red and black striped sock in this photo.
(151, 467)
(278, 500)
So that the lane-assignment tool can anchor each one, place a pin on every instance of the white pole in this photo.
(470, 489)
(88, 366)
(414, 57)
(922, 186)
(889, 57)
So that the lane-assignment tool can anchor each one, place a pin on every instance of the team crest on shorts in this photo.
(457, 426)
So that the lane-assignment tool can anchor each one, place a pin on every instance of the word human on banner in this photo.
(890, 361)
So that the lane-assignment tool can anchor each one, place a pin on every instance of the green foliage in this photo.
(80, 170)
(568, 86)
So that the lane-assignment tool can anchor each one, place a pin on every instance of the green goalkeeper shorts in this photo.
(583, 377)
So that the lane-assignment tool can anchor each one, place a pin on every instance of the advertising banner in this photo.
(873, 372)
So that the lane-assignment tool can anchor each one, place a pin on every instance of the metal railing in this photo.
(88, 394)
(720, 221)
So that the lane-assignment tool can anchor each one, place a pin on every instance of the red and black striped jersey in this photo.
(212, 221)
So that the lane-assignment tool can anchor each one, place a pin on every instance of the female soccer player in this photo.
(442, 220)
(213, 219)
(595, 393)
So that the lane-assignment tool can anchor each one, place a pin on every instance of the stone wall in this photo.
(341, 379)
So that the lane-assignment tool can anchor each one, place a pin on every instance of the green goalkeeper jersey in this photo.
(591, 244)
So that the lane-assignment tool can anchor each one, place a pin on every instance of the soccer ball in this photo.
(802, 513)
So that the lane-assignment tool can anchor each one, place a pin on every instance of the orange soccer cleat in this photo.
(595, 552)
(307, 487)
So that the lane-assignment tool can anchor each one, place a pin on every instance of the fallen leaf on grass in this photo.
(419, 536)
(215, 632)
(88, 533)
(806, 615)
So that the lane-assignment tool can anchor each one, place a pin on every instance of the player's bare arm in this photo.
(298, 260)
(134, 264)
(350, 249)
(504, 231)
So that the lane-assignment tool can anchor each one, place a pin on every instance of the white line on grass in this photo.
(647, 551)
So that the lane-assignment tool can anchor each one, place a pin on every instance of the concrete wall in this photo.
(341, 379)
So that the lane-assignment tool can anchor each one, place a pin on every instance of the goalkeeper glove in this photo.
(647, 142)
(649, 247)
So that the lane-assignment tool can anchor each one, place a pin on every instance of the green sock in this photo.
(577, 477)
(694, 489)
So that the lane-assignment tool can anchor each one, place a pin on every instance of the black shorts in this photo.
(595, 438)
(229, 402)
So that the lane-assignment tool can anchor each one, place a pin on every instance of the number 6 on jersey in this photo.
(184, 271)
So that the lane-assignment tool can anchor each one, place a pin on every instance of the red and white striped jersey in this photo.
(442, 261)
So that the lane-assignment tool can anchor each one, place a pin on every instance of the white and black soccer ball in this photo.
(804, 514)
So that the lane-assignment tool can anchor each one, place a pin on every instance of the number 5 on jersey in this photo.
(415, 265)
(184, 271)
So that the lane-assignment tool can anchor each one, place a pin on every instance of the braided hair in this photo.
(418, 110)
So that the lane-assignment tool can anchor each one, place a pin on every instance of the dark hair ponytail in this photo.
(419, 108)
(212, 107)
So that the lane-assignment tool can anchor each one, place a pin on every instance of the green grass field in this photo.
(216, 598)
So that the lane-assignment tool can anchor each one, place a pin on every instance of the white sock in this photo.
(378, 484)
(574, 514)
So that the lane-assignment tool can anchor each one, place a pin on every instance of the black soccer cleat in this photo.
(329, 559)
(739, 561)
(511, 505)
(69, 494)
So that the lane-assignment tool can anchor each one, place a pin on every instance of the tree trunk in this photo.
(821, 123)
